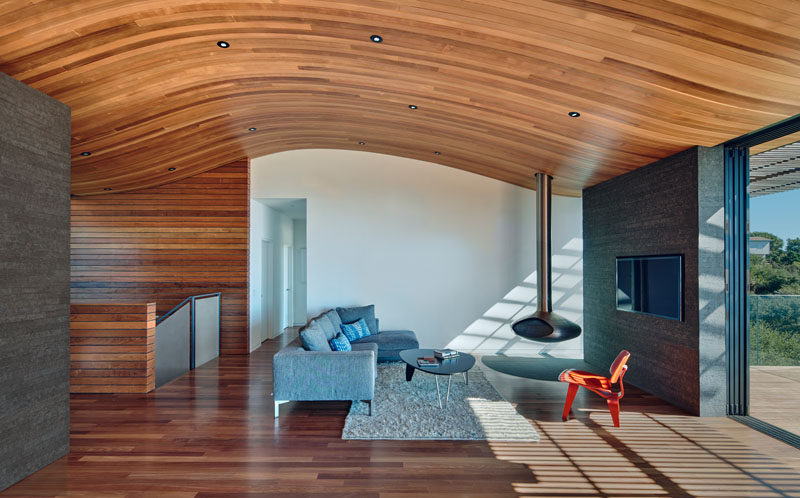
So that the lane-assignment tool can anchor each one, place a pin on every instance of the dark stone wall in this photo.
(654, 210)
(34, 280)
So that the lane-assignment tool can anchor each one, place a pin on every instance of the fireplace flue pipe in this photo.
(544, 268)
(544, 325)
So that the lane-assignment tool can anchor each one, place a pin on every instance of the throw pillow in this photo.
(350, 315)
(356, 330)
(333, 316)
(313, 337)
(341, 343)
(328, 326)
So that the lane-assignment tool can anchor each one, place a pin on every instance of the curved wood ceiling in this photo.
(493, 79)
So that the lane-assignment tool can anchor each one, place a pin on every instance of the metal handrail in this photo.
(190, 300)
(179, 306)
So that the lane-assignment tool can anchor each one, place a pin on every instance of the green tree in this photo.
(792, 253)
(766, 278)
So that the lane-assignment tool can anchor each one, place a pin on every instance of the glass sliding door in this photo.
(762, 247)
(774, 291)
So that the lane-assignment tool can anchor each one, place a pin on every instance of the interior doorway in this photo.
(277, 267)
(267, 299)
(287, 315)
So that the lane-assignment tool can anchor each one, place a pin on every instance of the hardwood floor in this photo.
(211, 433)
(774, 395)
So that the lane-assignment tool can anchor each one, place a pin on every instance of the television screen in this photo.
(651, 285)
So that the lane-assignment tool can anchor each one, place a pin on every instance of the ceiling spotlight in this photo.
(573, 114)
(376, 38)
(251, 129)
(223, 44)
(436, 153)
(107, 188)
(362, 143)
(412, 107)
(86, 153)
(171, 169)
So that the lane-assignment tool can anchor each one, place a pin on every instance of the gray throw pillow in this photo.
(333, 316)
(313, 337)
(350, 315)
(327, 326)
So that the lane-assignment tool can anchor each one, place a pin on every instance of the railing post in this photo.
(191, 334)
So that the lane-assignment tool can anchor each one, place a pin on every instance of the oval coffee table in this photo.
(460, 364)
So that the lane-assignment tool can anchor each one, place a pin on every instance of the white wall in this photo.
(441, 251)
(258, 225)
(299, 271)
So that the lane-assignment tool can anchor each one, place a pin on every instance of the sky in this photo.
(776, 213)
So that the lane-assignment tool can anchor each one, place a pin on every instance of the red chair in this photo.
(598, 384)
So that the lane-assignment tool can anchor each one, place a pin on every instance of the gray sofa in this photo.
(302, 375)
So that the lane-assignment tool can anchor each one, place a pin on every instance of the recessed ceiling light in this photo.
(86, 153)
(107, 188)
(251, 129)
(223, 44)
(412, 107)
(362, 143)
(436, 153)
(376, 38)
(171, 169)
(573, 114)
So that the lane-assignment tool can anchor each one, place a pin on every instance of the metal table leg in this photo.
(438, 393)
(447, 399)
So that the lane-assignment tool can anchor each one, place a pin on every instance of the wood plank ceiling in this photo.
(493, 81)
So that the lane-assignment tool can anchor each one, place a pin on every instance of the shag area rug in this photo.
(410, 410)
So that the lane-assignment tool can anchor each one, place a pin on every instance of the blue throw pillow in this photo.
(341, 343)
(350, 315)
(356, 330)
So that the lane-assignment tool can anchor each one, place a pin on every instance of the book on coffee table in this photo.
(444, 354)
(427, 361)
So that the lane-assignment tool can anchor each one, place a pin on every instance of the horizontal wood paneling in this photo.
(493, 81)
(112, 348)
(164, 244)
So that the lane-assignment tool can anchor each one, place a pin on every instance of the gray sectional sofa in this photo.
(301, 374)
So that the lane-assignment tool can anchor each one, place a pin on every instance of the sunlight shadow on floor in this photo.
(649, 455)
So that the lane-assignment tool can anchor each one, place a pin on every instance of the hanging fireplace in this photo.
(544, 325)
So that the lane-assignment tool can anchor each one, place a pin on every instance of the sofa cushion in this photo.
(365, 346)
(333, 316)
(327, 326)
(350, 315)
(390, 343)
(356, 330)
(340, 343)
(313, 337)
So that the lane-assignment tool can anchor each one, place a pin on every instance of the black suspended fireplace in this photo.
(544, 325)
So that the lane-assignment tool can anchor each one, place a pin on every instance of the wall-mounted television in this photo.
(651, 284)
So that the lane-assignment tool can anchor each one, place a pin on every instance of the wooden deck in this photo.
(775, 396)
(211, 433)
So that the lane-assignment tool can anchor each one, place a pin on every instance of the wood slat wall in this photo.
(166, 243)
(112, 348)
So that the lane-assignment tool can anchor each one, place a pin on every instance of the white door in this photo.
(288, 283)
(267, 284)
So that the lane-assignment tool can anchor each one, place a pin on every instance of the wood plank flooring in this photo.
(775, 396)
(211, 433)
